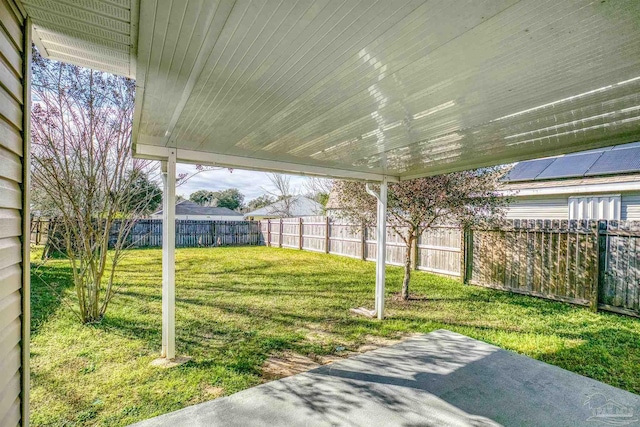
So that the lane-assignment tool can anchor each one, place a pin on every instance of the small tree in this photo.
(82, 166)
(283, 193)
(462, 197)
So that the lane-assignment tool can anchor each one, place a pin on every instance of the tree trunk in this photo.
(407, 267)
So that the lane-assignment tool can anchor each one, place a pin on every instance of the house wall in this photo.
(539, 208)
(15, 53)
(557, 207)
(630, 207)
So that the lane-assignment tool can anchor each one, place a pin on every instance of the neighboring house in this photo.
(187, 209)
(595, 184)
(298, 206)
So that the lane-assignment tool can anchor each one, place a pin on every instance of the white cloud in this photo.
(250, 183)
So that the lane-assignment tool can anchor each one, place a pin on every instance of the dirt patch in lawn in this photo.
(372, 342)
(285, 364)
(213, 391)
(288, 363)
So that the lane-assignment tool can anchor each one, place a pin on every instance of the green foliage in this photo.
(260, 202)
(144, 192)
(202, 197)
(322, 198)
(230, 198)
(236, 306)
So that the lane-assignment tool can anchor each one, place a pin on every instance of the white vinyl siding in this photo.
(538, 208)
(12, 151)
(625, 207)
(630, 207)
(595, 207)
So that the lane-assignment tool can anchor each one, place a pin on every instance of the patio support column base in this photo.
(381, 244)
(163, 362)
(168, 257)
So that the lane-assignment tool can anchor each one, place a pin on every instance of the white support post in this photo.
(381, 244)
(168, 258)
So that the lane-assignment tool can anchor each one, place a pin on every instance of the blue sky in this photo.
(250, 183)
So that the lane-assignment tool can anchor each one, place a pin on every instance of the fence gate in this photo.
(593, 263)
(550, 259)
(619, 243)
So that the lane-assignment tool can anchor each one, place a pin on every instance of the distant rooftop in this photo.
(619, 159)
(187, 207)
(300, 206)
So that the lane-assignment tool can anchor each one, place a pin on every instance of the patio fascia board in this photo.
(153, 152)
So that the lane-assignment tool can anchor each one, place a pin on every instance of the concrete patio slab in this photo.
(439, 379)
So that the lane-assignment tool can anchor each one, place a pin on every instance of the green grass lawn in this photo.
(237, 306)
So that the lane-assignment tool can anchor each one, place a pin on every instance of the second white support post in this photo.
(381, 259)
(381, 245)
(168, 258)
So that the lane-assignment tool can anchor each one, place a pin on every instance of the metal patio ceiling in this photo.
(98, 34)
(365, 89)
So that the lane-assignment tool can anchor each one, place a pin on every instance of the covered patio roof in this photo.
(362, 89)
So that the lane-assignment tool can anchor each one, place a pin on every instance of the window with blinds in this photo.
(595, 207)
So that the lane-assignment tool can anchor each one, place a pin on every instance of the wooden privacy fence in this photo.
(591, 263)
(437, 249)
(39, 230)
(192, 233)
(147, 233)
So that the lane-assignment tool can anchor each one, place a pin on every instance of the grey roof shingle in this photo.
(187, 207)
(300, 206)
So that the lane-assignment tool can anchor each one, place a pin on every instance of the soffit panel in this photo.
(98, 34)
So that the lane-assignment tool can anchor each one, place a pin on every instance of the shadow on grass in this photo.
(237, 322)
(48, 287)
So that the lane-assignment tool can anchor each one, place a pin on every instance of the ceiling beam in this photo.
(153, 152)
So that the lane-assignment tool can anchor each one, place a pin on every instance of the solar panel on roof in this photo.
(616, 161)
(569, 166)
(526, 171)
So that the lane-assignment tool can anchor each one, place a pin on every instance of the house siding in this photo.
(539, 208)
(630, 207)
(553, 207)
(14, 287)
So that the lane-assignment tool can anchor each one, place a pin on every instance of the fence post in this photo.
(300, 234)
(363, 242)
(595, 264)
(466, 254)
(415, 250)
(280, 235)
(326, 237)
(268, 232)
